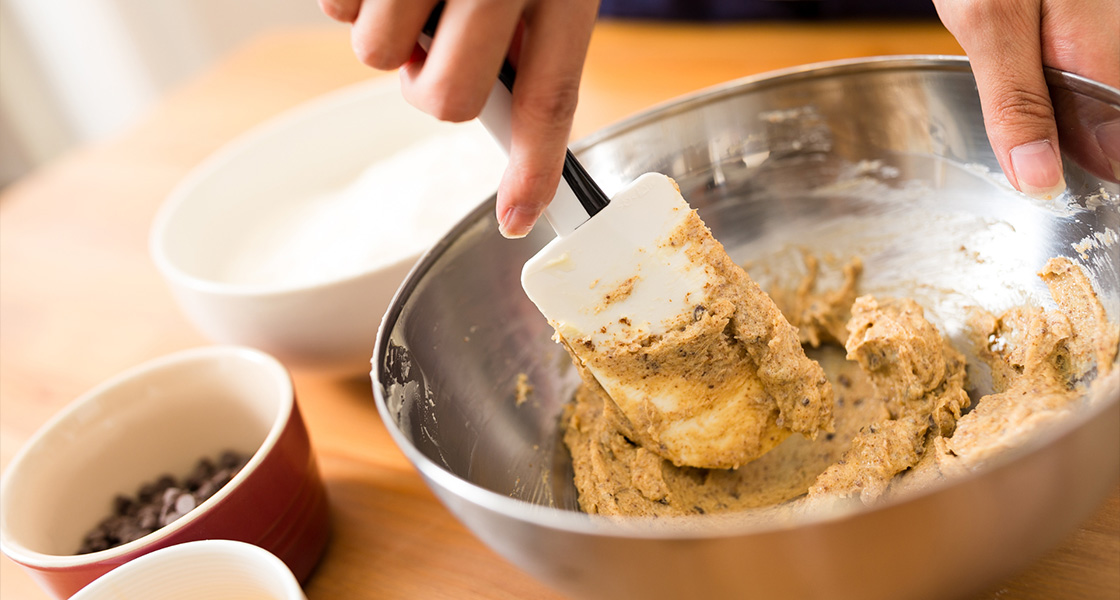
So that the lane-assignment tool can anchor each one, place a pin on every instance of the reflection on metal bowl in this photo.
(885, 158)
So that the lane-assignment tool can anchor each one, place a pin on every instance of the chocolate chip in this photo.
(151, 491)
(148, 516)
(94, 542)
(207, 489)
(185, 504)
(169, 495)
(161, 502)
(122, 505)
(231, 460)
(176, 503)
(202, 472)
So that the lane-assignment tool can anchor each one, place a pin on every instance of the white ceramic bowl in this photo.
(271, 242)
(211, 569)
(162, 417)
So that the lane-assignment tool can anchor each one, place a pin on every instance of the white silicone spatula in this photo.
(635, 218)
(618, 276)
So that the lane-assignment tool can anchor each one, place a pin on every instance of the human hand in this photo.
(546, 40)
(1008, 42)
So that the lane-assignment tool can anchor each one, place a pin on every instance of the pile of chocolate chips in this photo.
(161, 502)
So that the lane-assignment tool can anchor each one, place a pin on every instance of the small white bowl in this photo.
(211, 569)
(294, 237)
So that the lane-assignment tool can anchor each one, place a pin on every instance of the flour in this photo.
(393, 210)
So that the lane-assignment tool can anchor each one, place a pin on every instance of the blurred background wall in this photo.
(77, 71)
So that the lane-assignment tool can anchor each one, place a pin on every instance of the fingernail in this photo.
(1037, 169)
(1108, 136)
(516, 222)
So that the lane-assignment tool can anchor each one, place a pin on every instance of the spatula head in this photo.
(701, 363)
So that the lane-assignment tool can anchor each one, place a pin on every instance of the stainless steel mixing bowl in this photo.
(885, 158)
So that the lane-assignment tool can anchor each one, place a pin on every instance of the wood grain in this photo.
(80, 300)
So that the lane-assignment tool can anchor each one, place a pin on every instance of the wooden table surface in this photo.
(80, 300)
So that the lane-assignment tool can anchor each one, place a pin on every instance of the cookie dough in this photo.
(900, 391)
(918, 376)
(820, 316)
(727, 381)
(1041, 362)
(617, 476)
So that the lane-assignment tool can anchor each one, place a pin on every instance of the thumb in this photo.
(1002, 40)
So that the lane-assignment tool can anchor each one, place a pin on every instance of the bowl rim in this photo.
(155, 368)
(846, 66)
(688, 528)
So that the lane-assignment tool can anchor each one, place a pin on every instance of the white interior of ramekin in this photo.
(213, 569)
(159, 417)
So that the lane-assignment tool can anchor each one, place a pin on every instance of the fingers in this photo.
(1089, 131)
(1002, 39)
(1083, 37)
(385, 31)
(453, 81)
(553, 46)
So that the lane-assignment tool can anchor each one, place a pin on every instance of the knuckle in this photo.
(529, 180)
(974, 20)
(446, 97)
(554, 107)
(983, 10)
(1015, 107)
(447, 105)
(452, 110)
(375, 54)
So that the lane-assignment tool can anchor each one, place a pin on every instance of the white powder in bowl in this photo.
(397, 207)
